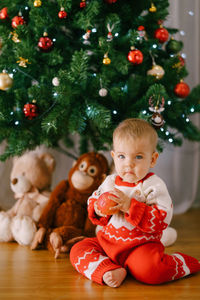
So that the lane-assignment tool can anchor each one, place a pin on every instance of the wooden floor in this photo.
(26, 274)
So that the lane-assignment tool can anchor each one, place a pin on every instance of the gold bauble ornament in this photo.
(5, 81)
(156, 71)
(106, 60)
(37, 3)
(152, 8)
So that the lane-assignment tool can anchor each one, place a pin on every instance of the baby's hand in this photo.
(139, 196)
(151, 197)
(122, 199)
(97, 211)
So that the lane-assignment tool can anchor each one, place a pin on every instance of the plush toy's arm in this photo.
(41, 200)
(13, 210)
(56, 198)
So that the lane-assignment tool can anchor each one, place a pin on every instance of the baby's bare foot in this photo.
(114, 278)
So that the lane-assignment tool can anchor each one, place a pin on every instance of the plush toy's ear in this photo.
(49, 161)
(74, 162)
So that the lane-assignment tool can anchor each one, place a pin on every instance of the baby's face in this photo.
(133, 158)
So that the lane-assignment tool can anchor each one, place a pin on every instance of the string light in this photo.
(192, 109)
(114, 112)
(182, 32)
(191, 13)
(170, 140)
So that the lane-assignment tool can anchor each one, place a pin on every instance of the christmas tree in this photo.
(80, 67)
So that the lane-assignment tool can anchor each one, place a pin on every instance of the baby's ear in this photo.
(154, 158)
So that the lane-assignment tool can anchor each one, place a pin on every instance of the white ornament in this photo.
(103, 92)
(55, 81)
(34, 82)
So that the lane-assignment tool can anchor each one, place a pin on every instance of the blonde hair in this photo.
(135, 128)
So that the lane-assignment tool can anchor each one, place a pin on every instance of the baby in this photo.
(129, 240)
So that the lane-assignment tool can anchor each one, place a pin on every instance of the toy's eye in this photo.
(92, 170)
(83, 166)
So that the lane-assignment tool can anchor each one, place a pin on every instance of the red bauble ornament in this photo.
(135, 57)
(30, 111)
(45, 43)
(161, 34)
(182, 61)
(16, 21)
(4, 13)
(110, 1)
(104, 203)
(83, 4)
(141, 28)
(62, 13)
(182, 89)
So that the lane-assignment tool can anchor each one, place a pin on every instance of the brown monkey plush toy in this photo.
(64, 220)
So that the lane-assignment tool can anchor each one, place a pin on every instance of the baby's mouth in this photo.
(129, 173)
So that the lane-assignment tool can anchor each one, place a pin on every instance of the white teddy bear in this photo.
(30, 181)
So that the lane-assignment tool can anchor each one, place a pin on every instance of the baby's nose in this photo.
(130, 163)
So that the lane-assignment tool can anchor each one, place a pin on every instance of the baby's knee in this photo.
(81, 247)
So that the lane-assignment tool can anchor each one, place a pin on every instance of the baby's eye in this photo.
(139, 157)
(121, 156)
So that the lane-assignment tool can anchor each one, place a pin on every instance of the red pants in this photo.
(147, 263)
